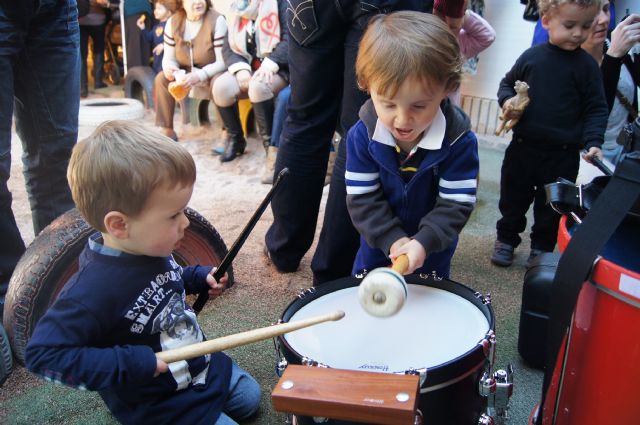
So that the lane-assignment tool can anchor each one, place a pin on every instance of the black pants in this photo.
(138, 49)
(322, 47)
(96, 32)
(526, 168)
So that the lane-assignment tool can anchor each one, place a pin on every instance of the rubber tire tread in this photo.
(144, 76)
(95, 111)
(52, 258)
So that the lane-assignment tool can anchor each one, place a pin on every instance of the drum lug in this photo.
(497, 388)
(281, 366)
(362, 274)
(488, 347)
(422, 373)
(306, 361)
(303, 292)
(281, 362)
(419, 418)
(431, 276)
(484, 299)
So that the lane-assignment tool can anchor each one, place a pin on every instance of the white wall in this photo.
(623, 5)
(513, 36)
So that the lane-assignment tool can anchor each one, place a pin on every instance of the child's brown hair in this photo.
(407, 44)
(118, 166)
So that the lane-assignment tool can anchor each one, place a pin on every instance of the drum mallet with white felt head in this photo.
(383, 291)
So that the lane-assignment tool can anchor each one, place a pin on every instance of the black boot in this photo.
(235, 137)
(98, 71)
(263, 112)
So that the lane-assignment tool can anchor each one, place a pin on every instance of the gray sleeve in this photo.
(374, 220)
(442, 224)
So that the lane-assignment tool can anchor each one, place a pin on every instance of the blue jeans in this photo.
(323, 45)
(280, 115)
(40, 68)
(244, 397)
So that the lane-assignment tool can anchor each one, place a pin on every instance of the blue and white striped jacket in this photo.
(431, 208)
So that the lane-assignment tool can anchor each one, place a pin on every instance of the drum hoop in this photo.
(453, 380)
(436, 375)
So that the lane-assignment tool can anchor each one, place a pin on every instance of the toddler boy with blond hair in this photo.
(127, 300)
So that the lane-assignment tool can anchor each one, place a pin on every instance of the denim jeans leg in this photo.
(12, 246)
(280, 115)
(244, 397)
(47, 96)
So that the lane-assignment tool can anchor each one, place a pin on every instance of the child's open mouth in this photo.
(403, 132)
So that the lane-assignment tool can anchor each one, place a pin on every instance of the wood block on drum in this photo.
(377, 398)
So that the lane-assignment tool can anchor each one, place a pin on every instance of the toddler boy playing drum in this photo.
(127, 300)
(412, 159)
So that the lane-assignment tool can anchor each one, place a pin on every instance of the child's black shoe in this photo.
(502, 254)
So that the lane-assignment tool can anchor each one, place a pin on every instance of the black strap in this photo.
(586, 243)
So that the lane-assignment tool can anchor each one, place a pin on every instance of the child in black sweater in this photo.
(567, 112)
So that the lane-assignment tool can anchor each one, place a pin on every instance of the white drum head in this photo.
(434, 327)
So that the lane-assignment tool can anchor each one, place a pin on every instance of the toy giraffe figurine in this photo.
(516, 104)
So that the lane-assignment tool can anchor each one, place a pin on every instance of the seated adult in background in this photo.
(620, 73)
(193, 38)
(256, 54)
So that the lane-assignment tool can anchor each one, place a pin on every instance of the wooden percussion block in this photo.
(377, 398)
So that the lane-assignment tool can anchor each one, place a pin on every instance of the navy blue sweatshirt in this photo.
(567, 106)
(155, 36)
(103, 330)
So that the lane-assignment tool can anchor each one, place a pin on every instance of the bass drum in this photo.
(442, 332)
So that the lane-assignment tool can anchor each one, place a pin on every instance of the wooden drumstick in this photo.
(242, 338)
(383, 291)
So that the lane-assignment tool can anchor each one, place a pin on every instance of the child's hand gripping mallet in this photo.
(383, 291)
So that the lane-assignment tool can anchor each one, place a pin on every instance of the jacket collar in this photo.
(431, 138)
(455, 122)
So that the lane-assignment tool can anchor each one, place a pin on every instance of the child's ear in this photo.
(544, 20)
(116, 224)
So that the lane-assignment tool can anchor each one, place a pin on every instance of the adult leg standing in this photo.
(84, 51)
(97, 36)
(138, 49)
(316, 43)
(96, 33)
(339, 239)
(320, 39)
(39, 60)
